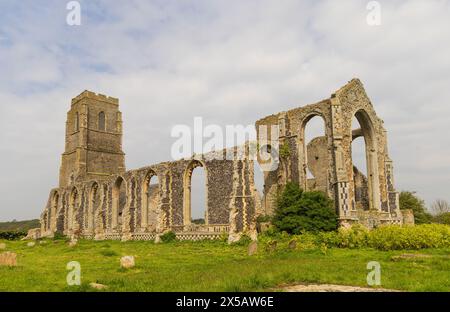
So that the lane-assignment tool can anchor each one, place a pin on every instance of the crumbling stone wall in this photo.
(354, 195)
(103, 201)
(97, 198)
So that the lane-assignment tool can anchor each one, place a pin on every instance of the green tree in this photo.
(443, 218)
(297, 211)
(409, 200)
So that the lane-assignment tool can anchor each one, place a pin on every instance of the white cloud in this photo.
(230, 62)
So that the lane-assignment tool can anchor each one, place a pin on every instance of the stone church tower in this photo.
(93, 148)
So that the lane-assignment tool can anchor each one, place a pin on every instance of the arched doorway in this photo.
(366, 184)
(314, 154)
(195, 203)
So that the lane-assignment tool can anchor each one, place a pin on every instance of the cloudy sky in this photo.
(230, 62)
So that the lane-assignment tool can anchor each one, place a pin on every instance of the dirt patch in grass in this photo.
(330, 288)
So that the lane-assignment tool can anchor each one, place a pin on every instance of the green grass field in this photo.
(213, 266)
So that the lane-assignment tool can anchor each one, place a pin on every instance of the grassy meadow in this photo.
(214, 266)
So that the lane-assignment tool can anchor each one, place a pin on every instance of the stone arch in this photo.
(187, 194)
(74, 210)
(302, 145)
(93, 206)
(54, 201)
(370, 141)
(61, 215)
(100, 212)
(146, 203)
(119, 201)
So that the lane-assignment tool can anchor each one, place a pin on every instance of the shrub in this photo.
(442, 218)
(59, 236)
(243, 241)
(12, 235)
(168, 237)
(395, 237)
(297, 211)
(387, 237)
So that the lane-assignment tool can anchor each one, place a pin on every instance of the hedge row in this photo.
(12, 235)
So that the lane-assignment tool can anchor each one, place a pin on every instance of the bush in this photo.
(168, 237)
(387, 237)
(59, 236)
(442, 218)
(410, 237)
(12, 235)
(297, 211)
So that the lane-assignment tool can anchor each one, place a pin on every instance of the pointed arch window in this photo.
(77, 122)
(101, 121)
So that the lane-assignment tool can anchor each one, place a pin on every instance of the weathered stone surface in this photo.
(271, 246)
(329, 158)
(252, 248)
(97, 198)
(158, 239)
(408, 216)
(98, 286)
(292, 244)
(8, 259)
(127, 262)
(33, 234)
(234, 238)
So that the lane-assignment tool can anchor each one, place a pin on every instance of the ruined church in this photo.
(98, 198)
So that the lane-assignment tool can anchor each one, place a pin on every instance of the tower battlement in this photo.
(86, 94)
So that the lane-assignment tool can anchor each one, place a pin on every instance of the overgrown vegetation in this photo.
(19, 226)
(168, 237)
(388, 237)
(285, 151)
(217, 266)
(297, 211)
(12, 235)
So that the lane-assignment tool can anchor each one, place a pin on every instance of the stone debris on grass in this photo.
(332, 288)
(33, 234)
(252, 248)
(8, 259)
(98, 286)
(272, 246)
(127, 262)
(31, 244)
(292, 244)
(73, 242)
